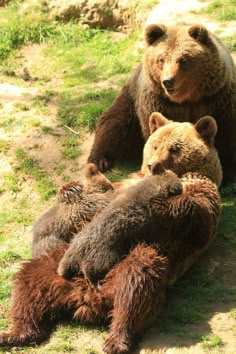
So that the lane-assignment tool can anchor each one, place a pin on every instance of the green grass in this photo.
(30, 167)
(233, 313)
(227, 226)
(47, 130)
(4, 146)
(32, 26)
(11, 183)
(222, 10)
(17, 216)
(70, 148)
(120, 172)
(230, 42)
(197, 295)
(21, 106)
(9, 123)
(211, 342)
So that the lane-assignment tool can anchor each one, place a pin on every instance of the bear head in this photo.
(182, 148)
(95, 181)
(187, 62)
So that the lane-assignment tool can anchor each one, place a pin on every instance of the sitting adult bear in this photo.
(137, 214)
(131, 294)
(186, 73)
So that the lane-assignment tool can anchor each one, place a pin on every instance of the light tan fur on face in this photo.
(187, 60)
(180, 148)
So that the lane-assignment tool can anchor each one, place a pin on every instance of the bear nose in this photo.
(149, 166)
(157, 169)
(168, 82)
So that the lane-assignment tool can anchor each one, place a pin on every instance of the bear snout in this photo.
(149, 165)
(168, 82)
(157, 168)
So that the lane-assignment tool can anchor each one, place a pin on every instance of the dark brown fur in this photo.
(205, 83)
(133, 290)
(136, 215)
(76, 206)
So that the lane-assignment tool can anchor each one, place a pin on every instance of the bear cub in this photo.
(76, 206)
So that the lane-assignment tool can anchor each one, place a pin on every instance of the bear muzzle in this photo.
(156, 168)
(168, 83)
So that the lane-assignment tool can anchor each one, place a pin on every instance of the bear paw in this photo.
(102, 163)
(173, 183)
(118, 344)
(68, 266)
(70, 192)
(168, 185)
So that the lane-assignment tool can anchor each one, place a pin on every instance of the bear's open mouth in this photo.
(171, 91)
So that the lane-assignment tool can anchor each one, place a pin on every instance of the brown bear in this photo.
(186, 73)
(132, 217)
(136, 215)
(77, 204)
(131, 294)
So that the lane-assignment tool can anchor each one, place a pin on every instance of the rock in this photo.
(97, 13)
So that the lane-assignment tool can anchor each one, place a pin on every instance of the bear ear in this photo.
(200, 33)
(156, 121)
(153, 32)
(207, 128)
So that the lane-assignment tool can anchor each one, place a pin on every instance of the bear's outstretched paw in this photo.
(120, 343)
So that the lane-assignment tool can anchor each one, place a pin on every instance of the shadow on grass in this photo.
(206, 289)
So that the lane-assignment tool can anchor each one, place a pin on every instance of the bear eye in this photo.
(154, 148)
(174, 149)
(161, 60)
(183, 61)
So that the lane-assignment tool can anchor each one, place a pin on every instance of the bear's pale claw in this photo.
(102, 164)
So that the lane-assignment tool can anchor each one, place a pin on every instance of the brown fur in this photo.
(202, 81)
(76, 206)
(182, 148)
(41, 296)
(137, 213)
(133, 291)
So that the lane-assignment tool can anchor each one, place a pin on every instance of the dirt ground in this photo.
(220, 322)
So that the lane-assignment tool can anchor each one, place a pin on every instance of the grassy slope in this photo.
(79, 73)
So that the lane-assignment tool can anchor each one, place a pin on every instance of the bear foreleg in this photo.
(118, 134)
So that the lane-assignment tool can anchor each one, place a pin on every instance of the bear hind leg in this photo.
(25, 335)
(39, 298)
(139, 293)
